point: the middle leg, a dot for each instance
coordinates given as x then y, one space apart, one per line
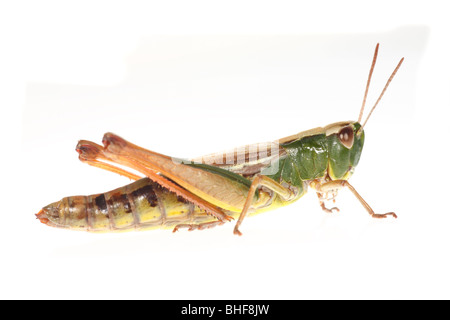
260 180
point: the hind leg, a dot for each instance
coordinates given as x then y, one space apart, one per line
95 155
89 152
200 226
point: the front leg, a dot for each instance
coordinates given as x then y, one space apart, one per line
333 186
322 200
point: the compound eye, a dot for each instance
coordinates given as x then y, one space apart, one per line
346 136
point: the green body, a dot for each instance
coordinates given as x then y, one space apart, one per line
319 157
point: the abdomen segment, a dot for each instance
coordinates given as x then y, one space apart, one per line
143 204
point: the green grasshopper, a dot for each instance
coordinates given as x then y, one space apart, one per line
211 190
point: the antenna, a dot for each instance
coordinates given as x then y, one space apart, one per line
382 93
368 82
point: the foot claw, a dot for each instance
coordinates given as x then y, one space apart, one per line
384 215
333 209
237 232
329 210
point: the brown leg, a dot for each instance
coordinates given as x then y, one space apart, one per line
366 205
200 226
284 192
213 188
338 184
322 204
90 152
323 197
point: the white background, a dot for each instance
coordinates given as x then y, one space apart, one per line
187 78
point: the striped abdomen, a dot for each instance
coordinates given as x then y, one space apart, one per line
143 204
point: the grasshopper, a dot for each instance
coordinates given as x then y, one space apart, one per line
212 190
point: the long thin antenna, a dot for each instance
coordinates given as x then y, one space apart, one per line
382 92
368 82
